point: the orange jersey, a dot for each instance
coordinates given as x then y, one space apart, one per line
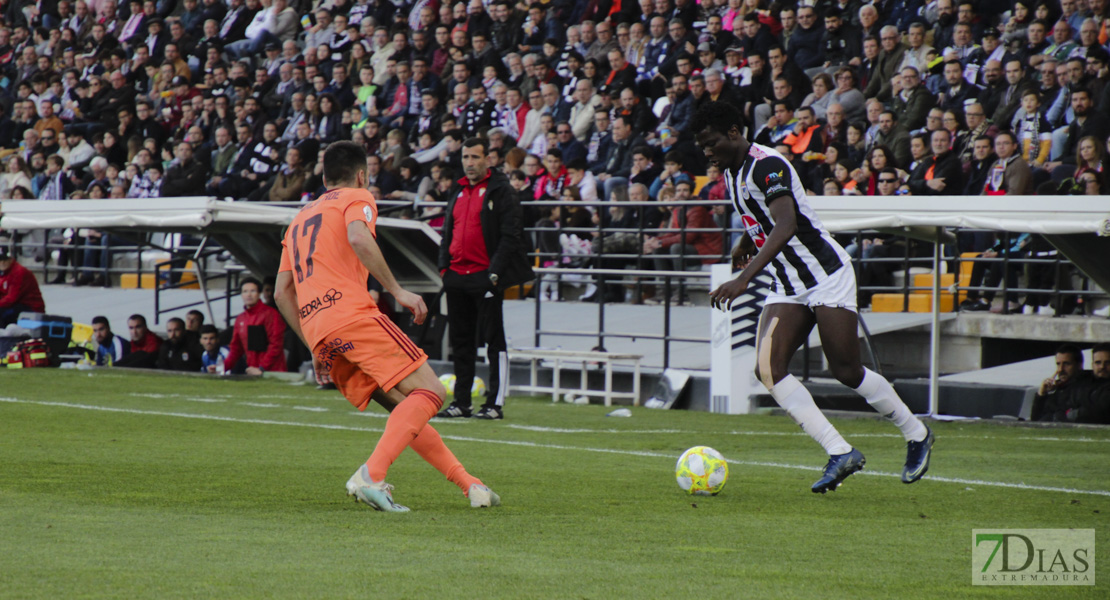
329 278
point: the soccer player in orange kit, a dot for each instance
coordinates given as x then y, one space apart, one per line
328 251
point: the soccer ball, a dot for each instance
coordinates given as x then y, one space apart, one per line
701 470
448 381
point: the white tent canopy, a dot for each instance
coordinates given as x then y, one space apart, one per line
1032 214
167 214
1046 215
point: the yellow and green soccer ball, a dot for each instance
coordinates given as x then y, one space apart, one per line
701 470
448 381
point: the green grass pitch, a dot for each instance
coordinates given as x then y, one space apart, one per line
121 485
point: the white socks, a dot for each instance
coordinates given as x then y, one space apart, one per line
882 397
798 403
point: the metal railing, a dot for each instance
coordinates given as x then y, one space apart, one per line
166 274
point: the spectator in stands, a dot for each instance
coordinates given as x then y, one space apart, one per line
983 159
19 290
890 58
942 170
989 273
911 100
186 175
892 135
1087 122
1010 174
214 356
288 184
1086 399
687 217
258 334
110 348
179 352
144 345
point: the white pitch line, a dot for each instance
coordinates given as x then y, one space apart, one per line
217 400
260 405
541 429
668 456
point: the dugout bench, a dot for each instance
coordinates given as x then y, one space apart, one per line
561 357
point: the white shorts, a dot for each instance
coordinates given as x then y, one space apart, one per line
837 290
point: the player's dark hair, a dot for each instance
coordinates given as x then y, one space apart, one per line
177 320
209 329
101 320
477 141
1102 347
138 317
256 282
342 162
718 116
1073 351
197 313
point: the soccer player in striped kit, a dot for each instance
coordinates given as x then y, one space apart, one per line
814 284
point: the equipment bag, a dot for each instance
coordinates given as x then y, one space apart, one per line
55 330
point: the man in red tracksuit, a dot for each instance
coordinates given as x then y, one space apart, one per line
481 255
19 290
259 333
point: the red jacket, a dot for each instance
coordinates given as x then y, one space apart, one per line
468 246
709 244
150 343
19 286
273 358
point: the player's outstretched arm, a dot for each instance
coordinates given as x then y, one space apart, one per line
285 295
786 224
367 250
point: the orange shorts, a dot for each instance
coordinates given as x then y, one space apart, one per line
366 355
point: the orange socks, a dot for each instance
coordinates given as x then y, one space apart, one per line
431 448
403 426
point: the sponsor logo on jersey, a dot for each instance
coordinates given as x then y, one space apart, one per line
369 213
775 184
754 230
313 307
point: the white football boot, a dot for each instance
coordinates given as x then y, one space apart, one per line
481 496
378 495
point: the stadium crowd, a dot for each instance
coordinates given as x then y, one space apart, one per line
585 101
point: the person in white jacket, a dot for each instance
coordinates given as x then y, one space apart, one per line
275 23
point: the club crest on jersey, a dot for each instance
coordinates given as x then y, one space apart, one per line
368 213
754 230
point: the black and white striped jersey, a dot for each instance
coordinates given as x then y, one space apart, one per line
812 254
